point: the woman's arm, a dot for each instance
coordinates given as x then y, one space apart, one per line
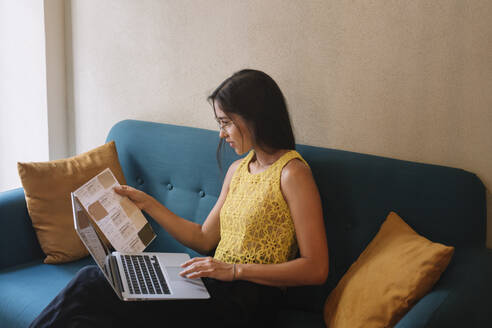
201 238
311 268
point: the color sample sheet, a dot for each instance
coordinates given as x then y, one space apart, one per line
117 217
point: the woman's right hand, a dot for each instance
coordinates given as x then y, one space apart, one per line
142 200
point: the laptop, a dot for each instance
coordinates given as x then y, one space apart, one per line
141 276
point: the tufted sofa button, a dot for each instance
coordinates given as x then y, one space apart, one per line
140 181
201 193
348 226
170 186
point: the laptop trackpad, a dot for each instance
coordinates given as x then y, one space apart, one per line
173 273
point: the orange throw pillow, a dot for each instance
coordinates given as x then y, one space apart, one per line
396 269
47 187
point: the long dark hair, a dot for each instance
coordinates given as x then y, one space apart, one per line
256 97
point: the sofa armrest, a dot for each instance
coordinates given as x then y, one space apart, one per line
461 298
18 242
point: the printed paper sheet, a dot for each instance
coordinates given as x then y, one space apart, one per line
117 217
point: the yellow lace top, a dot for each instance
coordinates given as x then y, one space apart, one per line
255 221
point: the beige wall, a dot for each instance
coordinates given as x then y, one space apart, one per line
403 79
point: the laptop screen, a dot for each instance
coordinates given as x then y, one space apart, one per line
90 237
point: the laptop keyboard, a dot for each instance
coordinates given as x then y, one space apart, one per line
144 275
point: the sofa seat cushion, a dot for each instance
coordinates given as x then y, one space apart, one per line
27 289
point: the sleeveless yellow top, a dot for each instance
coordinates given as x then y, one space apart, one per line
255 221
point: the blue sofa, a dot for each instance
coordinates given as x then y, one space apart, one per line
177 165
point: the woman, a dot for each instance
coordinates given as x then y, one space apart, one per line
268 211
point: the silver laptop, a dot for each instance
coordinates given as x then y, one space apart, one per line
141 276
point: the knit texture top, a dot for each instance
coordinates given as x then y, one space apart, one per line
255 221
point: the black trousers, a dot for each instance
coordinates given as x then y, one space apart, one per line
89 301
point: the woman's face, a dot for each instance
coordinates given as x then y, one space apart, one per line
234 130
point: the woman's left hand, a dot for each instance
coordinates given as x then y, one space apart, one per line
207 267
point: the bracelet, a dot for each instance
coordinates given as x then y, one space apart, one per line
233 271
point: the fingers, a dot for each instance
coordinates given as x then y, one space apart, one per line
191 271
196 259
197 267
122 190
207 267
199 274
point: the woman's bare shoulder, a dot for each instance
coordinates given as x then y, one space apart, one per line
232 168
234 165
296 168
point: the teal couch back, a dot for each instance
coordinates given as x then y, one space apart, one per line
177 165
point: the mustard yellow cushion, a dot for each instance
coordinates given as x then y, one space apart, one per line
47 187
396 269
